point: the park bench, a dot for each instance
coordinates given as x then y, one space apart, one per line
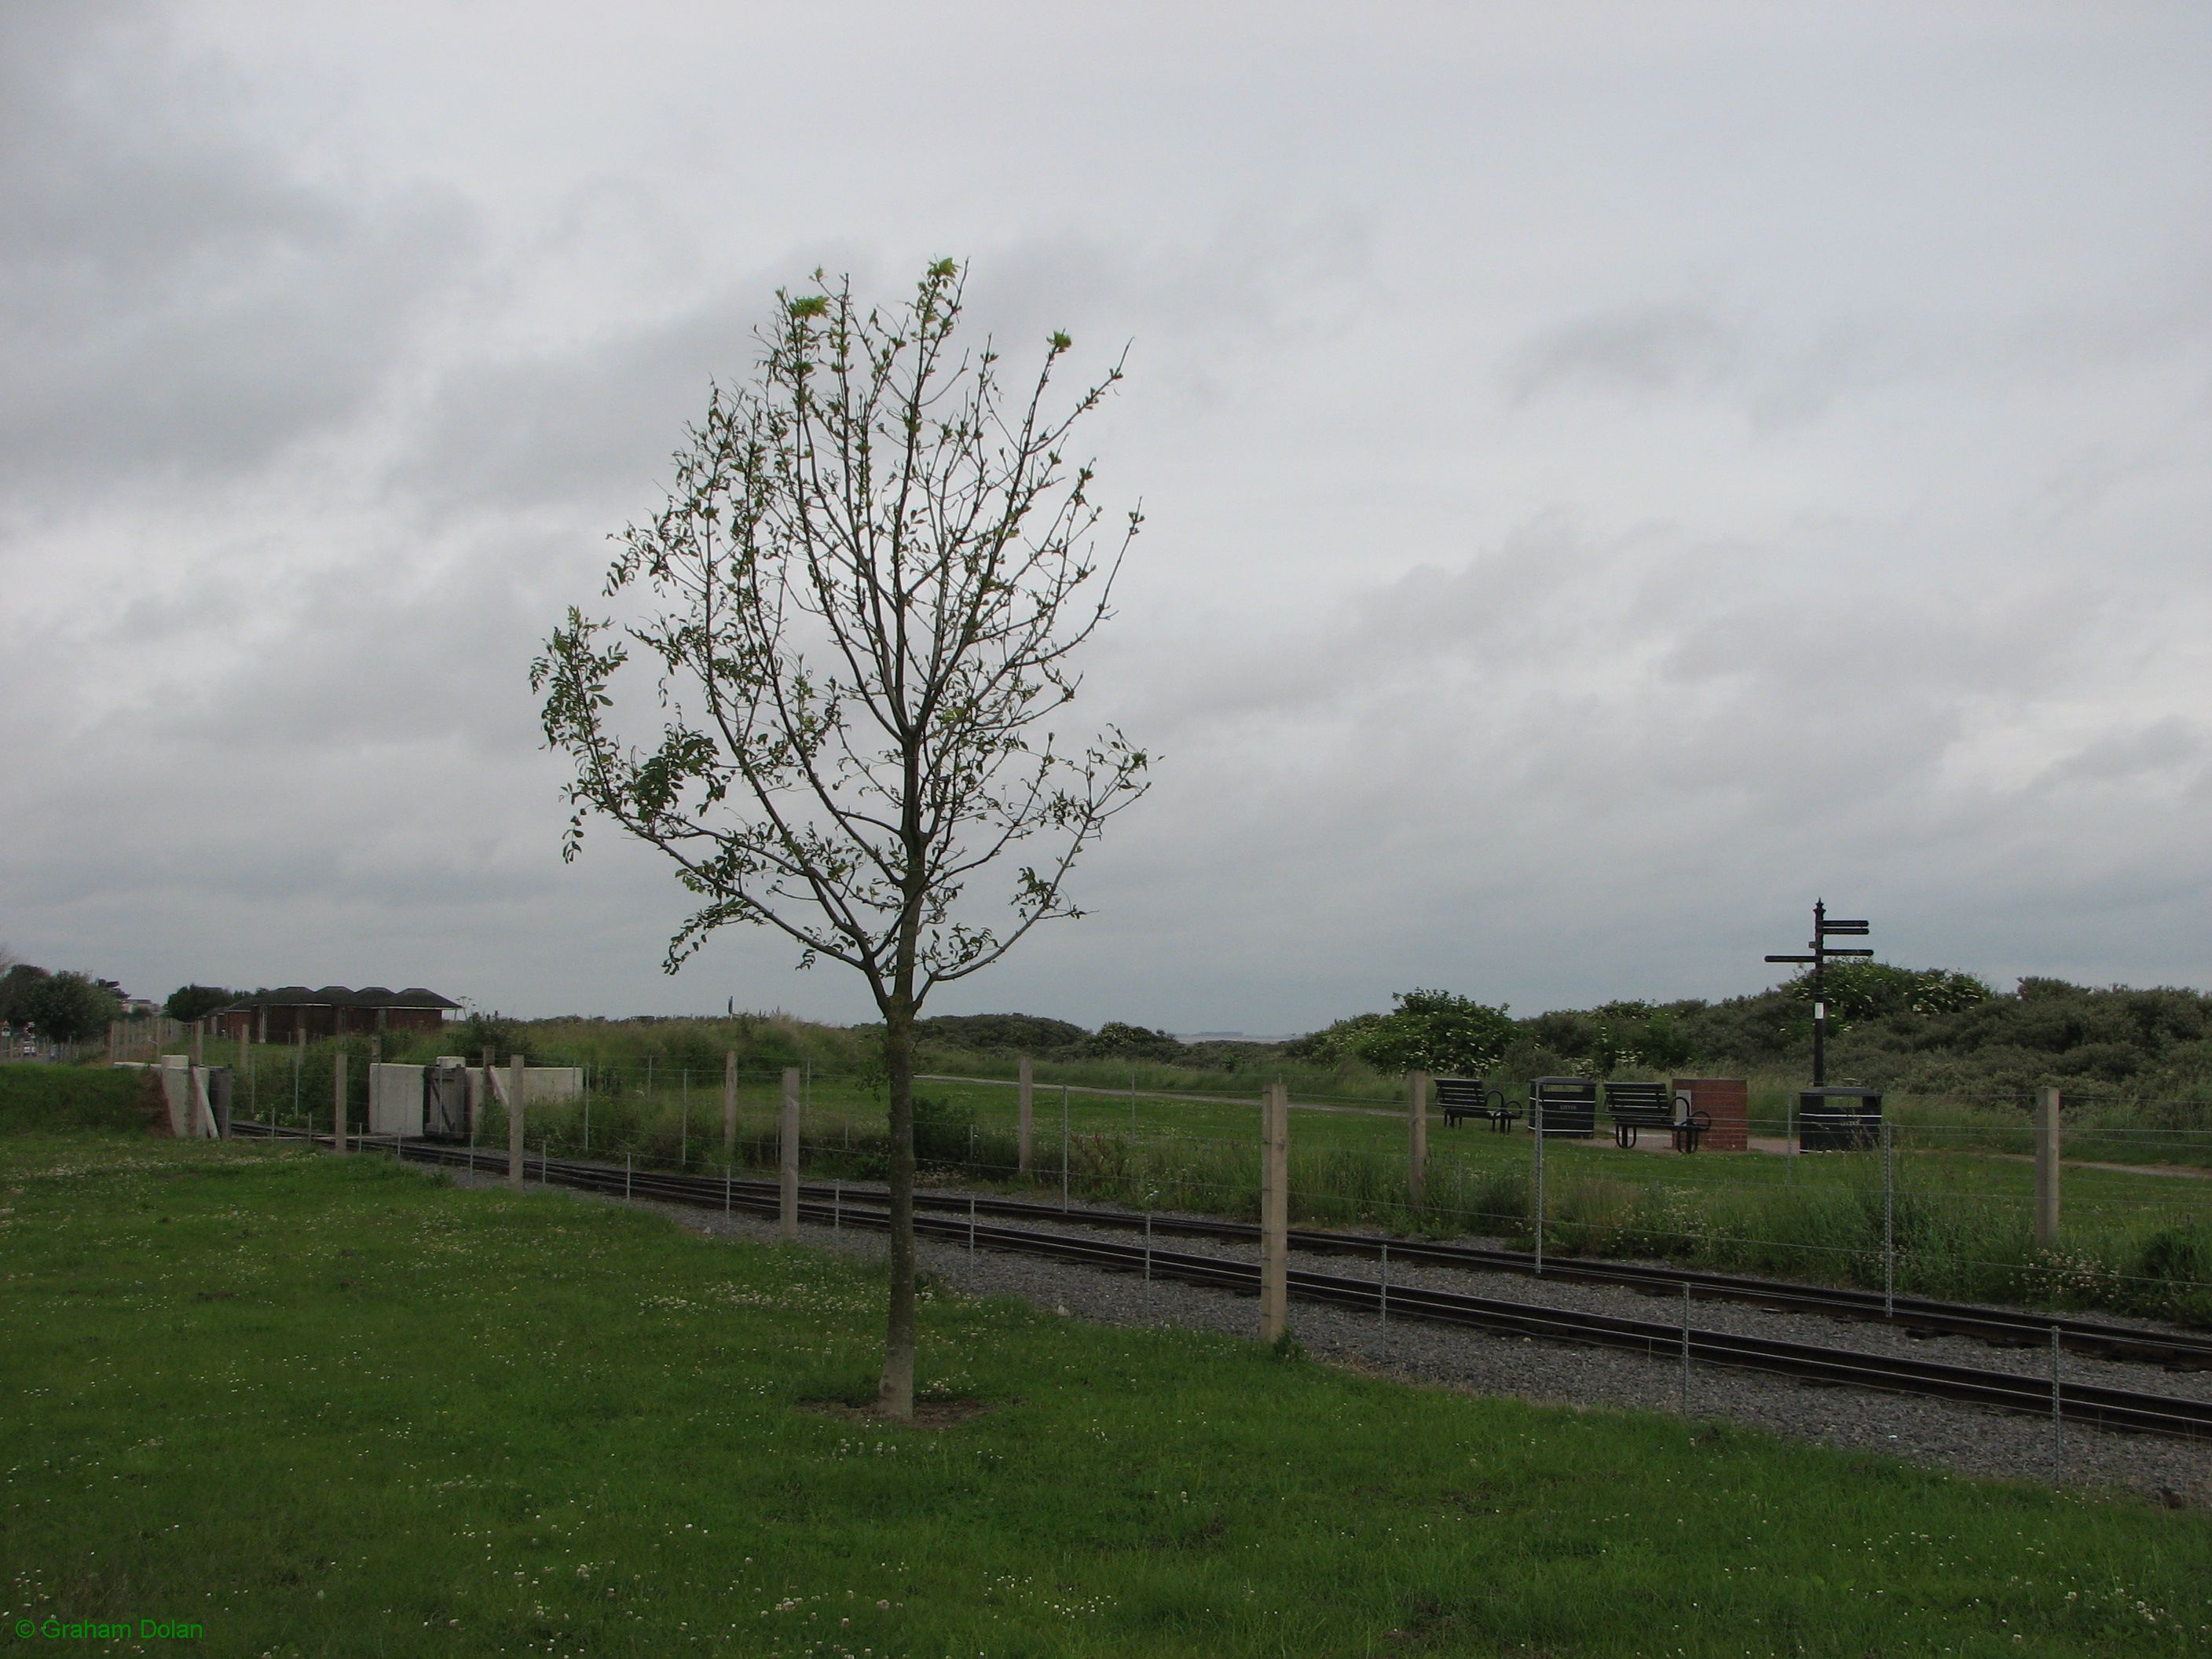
1635 1107
1465 1097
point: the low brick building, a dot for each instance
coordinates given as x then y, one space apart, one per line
280 1015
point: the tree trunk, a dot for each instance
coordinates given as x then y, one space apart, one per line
894 1397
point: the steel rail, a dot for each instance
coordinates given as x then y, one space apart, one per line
2091 1404
1918 1316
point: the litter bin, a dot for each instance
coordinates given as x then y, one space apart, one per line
1567 1106
1838 1120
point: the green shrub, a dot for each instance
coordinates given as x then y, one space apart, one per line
943 1132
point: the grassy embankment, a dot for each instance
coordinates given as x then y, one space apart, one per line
322 1407
49 1098
2135 1243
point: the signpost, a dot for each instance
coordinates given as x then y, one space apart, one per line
1822 954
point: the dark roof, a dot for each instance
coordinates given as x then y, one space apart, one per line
338 996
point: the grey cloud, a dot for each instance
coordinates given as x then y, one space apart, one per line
578 425
1566 715
596 420
1693 351
1777 374
385 648
171 298
1641 349
1646 660
1254 284
1495 612
2161 747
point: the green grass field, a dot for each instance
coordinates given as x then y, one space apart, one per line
325 1406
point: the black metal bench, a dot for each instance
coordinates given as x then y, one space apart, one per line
1635 1107
1460 1097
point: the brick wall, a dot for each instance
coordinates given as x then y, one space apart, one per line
1727 1101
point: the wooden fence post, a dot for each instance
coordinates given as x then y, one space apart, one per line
1028 1135
514 1069
338 1101
729 1106
1274 1210
786 1221
2046 1171
1417 1142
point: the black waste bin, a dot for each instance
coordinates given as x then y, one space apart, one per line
1838 1120
1566 1106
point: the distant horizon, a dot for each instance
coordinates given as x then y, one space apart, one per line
1180 1036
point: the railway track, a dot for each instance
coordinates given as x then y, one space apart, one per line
938 1216
1918 1316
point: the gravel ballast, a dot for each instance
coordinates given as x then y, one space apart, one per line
1934 1433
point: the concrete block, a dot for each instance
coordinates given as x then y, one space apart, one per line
395 1100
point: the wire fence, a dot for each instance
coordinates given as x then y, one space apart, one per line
1942 1202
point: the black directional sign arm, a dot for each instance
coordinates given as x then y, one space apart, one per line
1824 929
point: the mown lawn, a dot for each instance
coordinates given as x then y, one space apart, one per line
332 1407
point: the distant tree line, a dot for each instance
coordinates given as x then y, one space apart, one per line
1926 1029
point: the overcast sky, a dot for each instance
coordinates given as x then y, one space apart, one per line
1612 474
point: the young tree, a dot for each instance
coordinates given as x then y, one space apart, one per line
860 607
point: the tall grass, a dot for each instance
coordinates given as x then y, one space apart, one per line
1957 1232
